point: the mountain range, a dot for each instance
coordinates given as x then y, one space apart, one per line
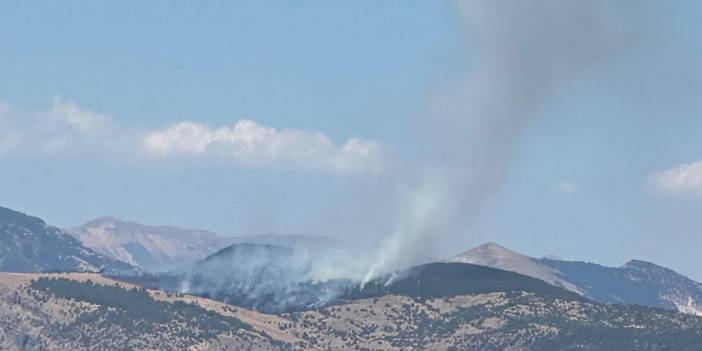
636 282
156 248
256 294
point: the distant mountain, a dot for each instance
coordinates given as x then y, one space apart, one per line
161 248
152 248
28 244
496 256
636 282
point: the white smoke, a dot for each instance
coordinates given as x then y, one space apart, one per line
519 54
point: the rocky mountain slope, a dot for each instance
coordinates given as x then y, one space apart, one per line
83 311
161 248
496 256
28 244
637 282
152 248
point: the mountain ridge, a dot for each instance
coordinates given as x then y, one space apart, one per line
150 247
636 281
496 256
157 248
29 244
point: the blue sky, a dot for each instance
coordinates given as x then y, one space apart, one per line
343 97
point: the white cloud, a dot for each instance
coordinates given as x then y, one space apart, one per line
253 144
78 118
685 179
568 187
68 128
65 126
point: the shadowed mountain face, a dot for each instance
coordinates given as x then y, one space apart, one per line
442 280
637 282
28 244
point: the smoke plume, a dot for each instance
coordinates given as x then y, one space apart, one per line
518 54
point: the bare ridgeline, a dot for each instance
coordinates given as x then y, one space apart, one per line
258 294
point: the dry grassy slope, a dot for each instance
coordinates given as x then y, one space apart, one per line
493 321
32 321
363 323
391 323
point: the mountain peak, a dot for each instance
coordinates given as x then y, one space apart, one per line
101 221
644 266
491 248
497 256
638 269
105 219
640 264
487 251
